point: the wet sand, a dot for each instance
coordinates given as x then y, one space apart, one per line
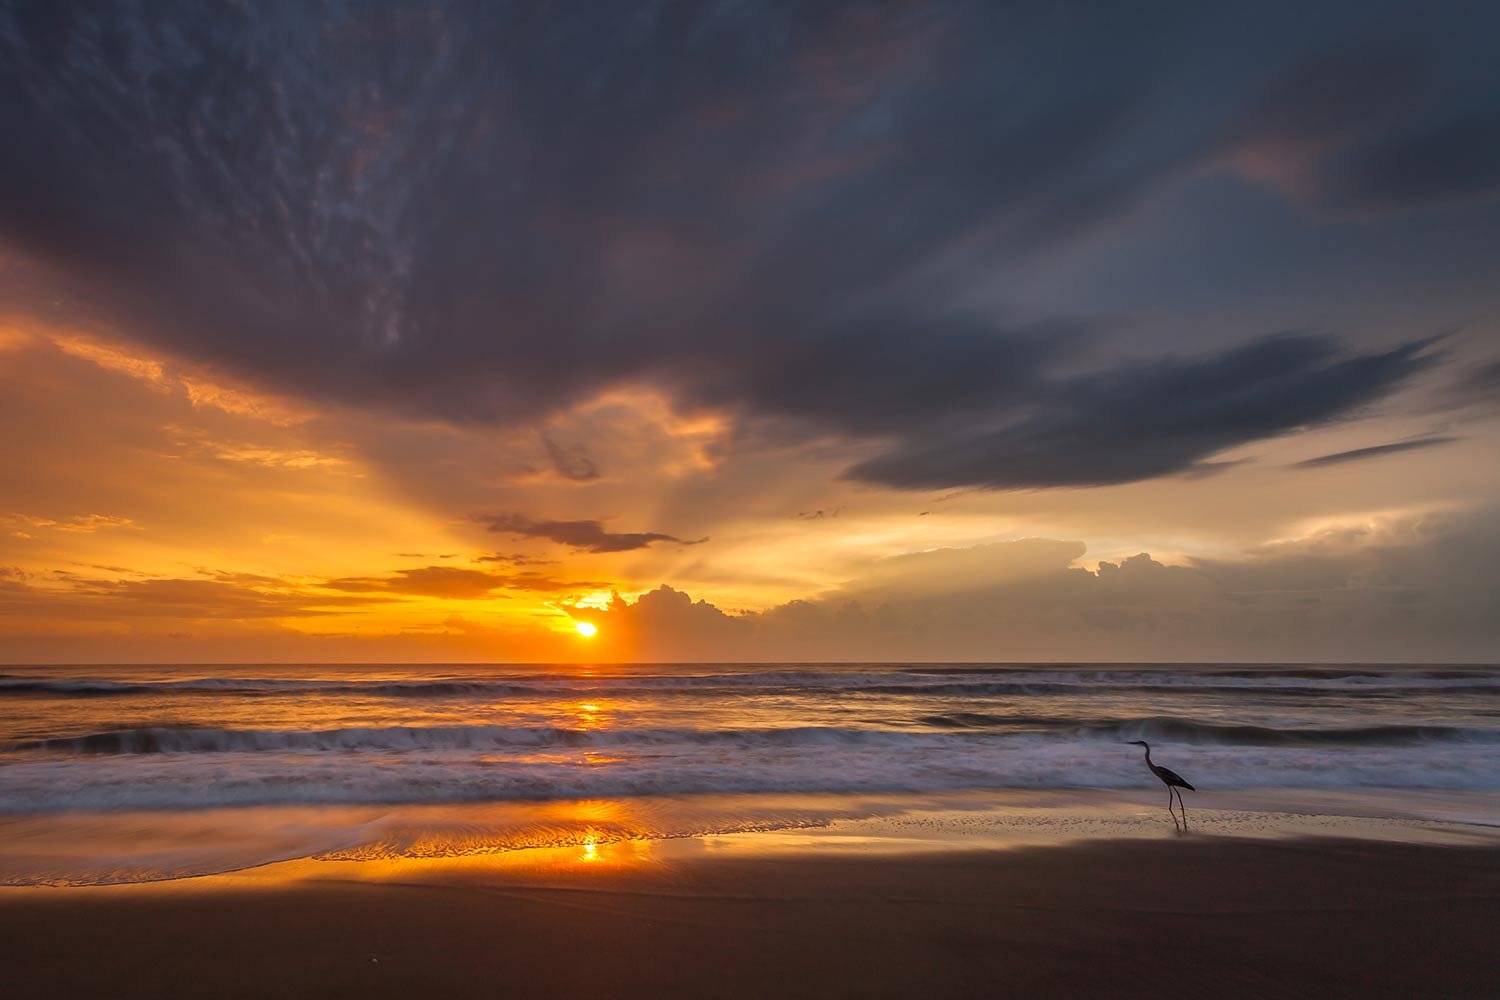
1199 915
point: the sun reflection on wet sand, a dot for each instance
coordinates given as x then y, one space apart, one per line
597 857
602 859
650 838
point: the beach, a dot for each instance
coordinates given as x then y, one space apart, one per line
757 830
1177 916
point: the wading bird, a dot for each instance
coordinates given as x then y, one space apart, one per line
1170 778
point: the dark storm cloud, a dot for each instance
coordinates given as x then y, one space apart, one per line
591 536
1375 128
1453 161
485 212
1375 451
1151 420
1327 98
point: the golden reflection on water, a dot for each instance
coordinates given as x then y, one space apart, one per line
583 715
588 715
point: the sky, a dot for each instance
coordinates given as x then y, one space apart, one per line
968 331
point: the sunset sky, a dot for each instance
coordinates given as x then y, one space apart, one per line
774 331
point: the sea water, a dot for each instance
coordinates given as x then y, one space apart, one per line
93 742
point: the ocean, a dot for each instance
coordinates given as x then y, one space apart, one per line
84 746
184 737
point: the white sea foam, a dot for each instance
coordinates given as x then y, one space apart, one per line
809 763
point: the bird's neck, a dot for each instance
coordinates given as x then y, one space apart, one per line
1148 755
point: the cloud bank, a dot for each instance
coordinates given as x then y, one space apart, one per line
1402 588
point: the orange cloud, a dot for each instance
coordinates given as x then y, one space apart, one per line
78 523
161 376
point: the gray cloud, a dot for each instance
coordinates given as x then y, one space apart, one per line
1456 160
591 536
1374 451
572 462
1326 100
1151 420
1372 129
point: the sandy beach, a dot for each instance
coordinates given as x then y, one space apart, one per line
1198 914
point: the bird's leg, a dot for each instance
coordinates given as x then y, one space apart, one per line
1169 806
1183 806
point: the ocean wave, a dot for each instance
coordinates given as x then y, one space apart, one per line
1168 729
271 686
186 740
956 729
935 683
178 781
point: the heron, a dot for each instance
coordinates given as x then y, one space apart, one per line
1170 778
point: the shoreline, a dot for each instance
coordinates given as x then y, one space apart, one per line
77 850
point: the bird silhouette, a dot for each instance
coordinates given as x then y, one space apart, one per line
1174 782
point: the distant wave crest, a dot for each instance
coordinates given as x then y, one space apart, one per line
937 681
936 730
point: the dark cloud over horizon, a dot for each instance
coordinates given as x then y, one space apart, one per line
484 213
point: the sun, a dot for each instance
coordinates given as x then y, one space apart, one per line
586 629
